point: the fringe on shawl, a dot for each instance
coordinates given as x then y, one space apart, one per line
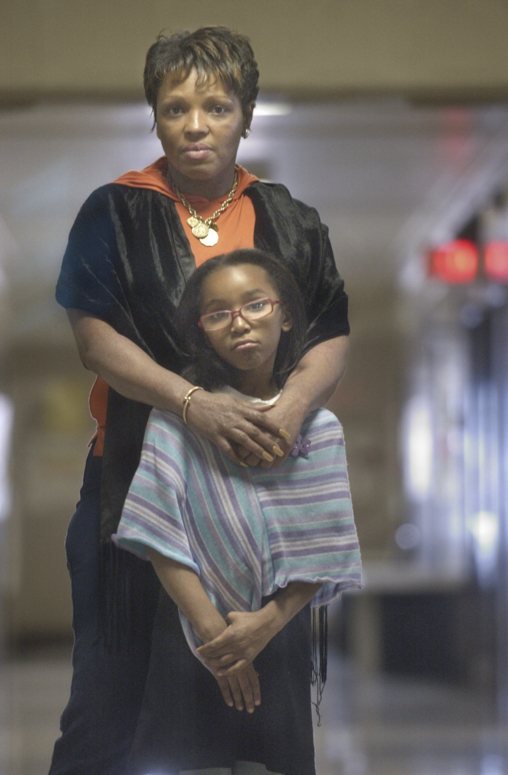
128 593
319 654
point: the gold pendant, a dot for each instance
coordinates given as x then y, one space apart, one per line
200 230
212 237
192 221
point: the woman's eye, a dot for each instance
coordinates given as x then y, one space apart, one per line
219 110
173 110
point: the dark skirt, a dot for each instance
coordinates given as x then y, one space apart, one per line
186 725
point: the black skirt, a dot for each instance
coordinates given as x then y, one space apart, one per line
186 725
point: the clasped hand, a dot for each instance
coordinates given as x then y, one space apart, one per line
237 646
245 433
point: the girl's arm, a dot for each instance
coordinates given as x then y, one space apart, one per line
248 633
224 420
184 587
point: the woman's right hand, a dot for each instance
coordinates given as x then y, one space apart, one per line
241 690
231 423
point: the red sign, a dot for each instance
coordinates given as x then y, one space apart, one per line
454 262
496 261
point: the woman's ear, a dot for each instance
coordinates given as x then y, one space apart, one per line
248 118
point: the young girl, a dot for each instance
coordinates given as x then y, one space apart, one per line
241 551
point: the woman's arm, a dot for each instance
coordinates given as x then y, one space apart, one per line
224 420
248 633
184 587
309 387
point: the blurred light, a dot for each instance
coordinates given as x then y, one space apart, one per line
496 261
454 262
485 531
6 417
407 537
272 109
419 448
492 764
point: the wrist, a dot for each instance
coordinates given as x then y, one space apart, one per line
187 400
272 618
210 627
296 400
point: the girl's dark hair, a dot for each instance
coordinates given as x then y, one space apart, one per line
211 51
206 368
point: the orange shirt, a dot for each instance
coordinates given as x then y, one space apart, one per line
236 230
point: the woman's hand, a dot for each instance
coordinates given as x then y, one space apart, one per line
232 424
286 415
237 646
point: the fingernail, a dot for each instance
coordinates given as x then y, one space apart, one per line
244 465
284 434
278 450
268 457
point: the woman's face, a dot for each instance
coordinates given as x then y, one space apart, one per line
200 129
250 346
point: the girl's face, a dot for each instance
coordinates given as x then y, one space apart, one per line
250 346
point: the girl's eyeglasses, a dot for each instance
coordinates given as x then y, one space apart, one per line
254 310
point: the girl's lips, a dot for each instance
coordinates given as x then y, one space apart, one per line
245 345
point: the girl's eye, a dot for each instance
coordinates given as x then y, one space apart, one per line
218 317
257 306
219 110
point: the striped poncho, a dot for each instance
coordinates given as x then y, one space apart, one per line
245 532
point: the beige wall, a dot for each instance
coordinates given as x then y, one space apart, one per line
424 48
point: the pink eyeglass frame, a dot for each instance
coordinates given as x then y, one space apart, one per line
235 312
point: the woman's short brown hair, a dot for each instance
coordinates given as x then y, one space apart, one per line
211 51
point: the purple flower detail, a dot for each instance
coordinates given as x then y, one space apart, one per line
300 447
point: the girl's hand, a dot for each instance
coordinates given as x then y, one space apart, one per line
241 690
234 649
232 424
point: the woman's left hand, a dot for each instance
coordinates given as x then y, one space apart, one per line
286 415
245 637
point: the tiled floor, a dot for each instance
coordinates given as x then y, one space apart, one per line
385 726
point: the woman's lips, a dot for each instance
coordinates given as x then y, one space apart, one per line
196 151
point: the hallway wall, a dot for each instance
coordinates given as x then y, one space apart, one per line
424 49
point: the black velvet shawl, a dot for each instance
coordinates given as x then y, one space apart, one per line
127 262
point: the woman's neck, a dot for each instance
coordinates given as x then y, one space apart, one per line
212 188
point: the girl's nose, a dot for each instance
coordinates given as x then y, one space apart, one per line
238 323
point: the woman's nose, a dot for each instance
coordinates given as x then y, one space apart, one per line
196 122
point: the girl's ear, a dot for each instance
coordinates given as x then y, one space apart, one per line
287 320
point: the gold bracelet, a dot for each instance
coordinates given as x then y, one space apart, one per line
186 401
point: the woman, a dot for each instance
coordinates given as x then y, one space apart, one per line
133 246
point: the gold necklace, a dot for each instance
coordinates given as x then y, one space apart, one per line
205 230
